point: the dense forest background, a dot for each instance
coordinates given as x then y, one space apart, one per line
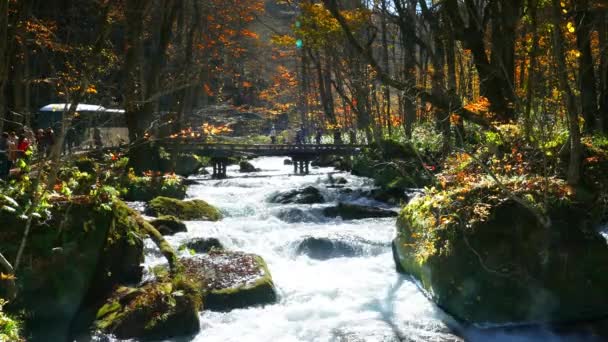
379 67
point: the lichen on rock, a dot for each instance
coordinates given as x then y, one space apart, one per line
231 280
183 210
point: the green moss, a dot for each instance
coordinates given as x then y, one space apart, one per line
10 328
160 310
146 188
183 210
486 259
73 259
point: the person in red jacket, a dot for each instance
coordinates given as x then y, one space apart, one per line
24 144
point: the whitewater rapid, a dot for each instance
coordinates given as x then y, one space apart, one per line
346 299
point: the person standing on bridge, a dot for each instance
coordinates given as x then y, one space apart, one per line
97 138
318 136
273 135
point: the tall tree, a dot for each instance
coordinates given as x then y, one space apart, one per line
574 166
586 70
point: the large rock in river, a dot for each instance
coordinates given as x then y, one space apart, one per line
183 210
71 261
203 245
508 268
232 280
349 211
308 195
247 167
156 311
323 248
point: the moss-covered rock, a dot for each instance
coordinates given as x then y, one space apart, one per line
183 210
232 280
158 310
71 261
495 262
203 245
308 195
349 211
169 225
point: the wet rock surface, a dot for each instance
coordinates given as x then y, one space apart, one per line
349 211
307 195
293 215
203 245
247 167
323 248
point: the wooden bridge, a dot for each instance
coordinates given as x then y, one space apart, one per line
301 154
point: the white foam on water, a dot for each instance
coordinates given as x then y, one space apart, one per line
359 298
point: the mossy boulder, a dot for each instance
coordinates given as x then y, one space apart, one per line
71 261
349 211
156 311
169 225
501 265
203 245
307 195
232 280
247 167
183 210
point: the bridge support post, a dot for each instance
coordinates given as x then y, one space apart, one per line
301 165
219 168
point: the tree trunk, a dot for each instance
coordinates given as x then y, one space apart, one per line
603 42
4 59
452 86
532 5
385 55
568 97
586 81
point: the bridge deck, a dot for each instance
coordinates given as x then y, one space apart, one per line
219 150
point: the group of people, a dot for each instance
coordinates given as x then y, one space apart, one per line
14 146
301 136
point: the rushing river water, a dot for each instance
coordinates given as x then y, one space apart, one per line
358 298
